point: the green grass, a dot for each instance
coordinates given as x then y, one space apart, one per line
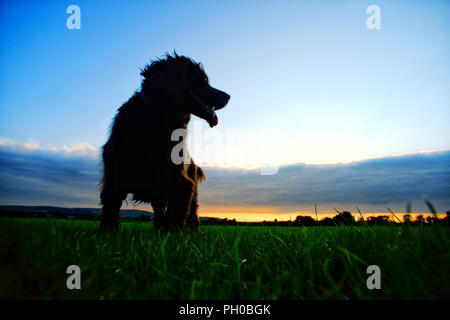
221 262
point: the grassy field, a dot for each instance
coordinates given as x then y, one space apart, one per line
221 262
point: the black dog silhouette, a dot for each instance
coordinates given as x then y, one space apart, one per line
137 156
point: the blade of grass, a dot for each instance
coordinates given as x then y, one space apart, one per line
362 217
408 207
430 206
393 214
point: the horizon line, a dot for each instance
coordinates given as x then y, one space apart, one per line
247 216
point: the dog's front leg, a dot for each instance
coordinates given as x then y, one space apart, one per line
193 221
180 197
111 201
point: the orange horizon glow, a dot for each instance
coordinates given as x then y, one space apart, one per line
243 214
260 217
270 213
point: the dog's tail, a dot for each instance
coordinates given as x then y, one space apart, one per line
196 173
201 175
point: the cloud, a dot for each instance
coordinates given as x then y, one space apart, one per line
372 184
30 145
30 174
81 148
78 148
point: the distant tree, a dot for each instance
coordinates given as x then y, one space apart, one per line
305 221
431 220
327 222
420 219
379 220
447 218
344 218
407 219
212 221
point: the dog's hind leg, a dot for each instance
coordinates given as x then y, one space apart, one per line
159 213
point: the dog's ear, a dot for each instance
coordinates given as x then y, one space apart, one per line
146 71
151 69
150 74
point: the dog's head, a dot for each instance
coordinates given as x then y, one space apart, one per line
185 86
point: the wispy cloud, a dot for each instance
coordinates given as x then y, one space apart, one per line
69 176
30 174
371 184
30 145
79 148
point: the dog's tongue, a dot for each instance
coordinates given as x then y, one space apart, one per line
206 113
214 120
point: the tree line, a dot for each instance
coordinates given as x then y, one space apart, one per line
342 218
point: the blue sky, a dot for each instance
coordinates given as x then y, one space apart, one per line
311 73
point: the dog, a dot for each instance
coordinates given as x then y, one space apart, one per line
137 156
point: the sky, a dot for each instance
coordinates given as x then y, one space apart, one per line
310 85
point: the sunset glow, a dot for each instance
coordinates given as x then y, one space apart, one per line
268 214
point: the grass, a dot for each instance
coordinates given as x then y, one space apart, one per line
221 262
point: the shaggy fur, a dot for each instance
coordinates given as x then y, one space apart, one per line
137 155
